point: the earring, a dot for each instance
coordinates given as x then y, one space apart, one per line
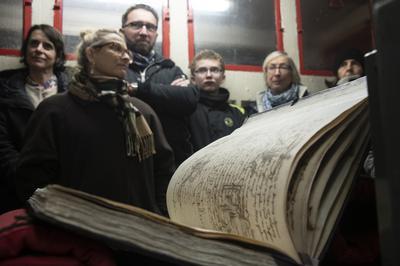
91 72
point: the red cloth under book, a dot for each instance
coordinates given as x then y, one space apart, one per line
24 243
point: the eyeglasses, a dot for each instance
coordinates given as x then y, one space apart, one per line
282 67
204 70
117 48
138 25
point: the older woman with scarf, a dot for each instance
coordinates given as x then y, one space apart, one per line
21 90
282 81
96 138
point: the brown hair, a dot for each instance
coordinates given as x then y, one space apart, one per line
55 38
206 54
138 6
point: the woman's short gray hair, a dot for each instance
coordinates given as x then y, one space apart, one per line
96 38
275 54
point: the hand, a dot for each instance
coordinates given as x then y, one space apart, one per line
183 82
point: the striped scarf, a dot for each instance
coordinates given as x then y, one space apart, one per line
114 92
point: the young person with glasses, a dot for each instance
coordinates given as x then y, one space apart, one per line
282 81
214 116
160 83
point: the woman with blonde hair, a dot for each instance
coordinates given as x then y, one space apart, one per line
96 138
282 80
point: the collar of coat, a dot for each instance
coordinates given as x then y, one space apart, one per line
219 99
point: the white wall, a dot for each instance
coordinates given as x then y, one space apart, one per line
242 85
7 62
42 12
290 43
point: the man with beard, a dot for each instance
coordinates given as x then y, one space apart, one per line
160 83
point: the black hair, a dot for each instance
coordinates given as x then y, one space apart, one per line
351 53
138 6
55 37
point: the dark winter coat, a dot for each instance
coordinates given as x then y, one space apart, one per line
81 144
15 111
173 104
214 118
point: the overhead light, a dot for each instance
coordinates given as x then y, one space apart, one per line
152 3
211 5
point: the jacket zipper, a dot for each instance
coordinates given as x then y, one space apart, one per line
143 73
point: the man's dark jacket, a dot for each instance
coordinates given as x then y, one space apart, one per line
15 111
173 104
214 118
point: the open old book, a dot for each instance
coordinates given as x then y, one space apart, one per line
283 177
131 229
268 194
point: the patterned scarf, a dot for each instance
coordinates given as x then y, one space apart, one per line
142 61
114 92
271 100
37 92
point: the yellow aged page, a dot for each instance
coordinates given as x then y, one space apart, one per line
238 183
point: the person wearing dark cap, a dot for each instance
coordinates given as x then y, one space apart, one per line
356 241
349 66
